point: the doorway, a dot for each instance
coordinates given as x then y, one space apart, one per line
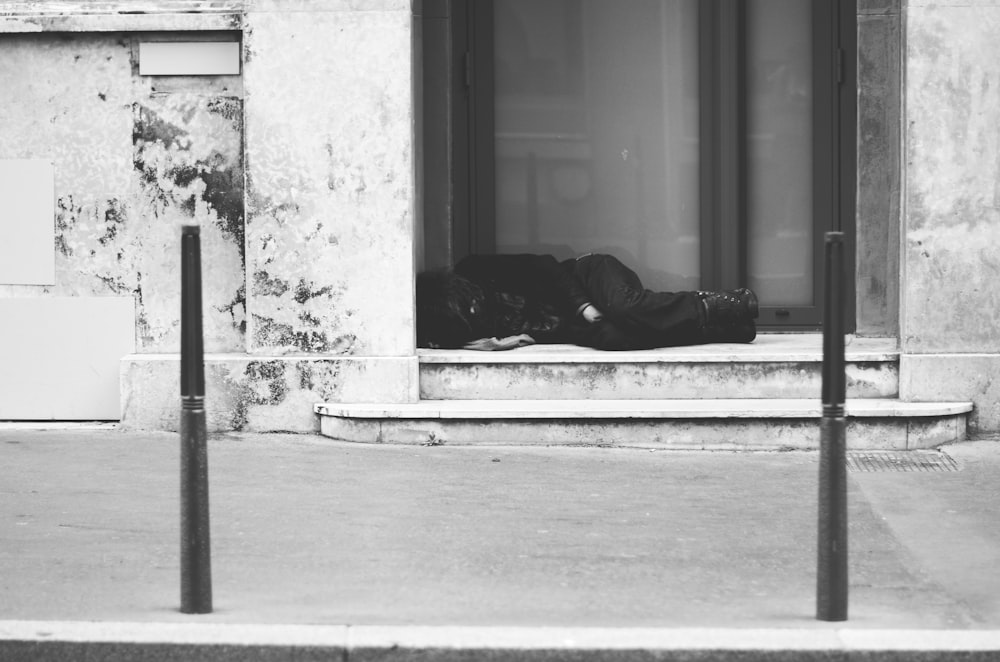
707 143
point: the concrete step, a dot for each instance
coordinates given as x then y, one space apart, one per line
774 366
722 423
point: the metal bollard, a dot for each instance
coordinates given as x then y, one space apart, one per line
196 564
831 576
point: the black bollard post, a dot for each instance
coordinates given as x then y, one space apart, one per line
196 563
831 576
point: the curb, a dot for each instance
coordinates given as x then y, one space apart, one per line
163 642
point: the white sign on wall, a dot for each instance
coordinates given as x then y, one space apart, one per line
61 356
189 58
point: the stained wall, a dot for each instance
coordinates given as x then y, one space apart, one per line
330 191
299 173
130 164
951 219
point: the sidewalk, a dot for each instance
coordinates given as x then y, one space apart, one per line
311 532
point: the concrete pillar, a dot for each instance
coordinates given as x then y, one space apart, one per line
951 221
330 188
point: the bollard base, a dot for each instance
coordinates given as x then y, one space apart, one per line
831 576
196 564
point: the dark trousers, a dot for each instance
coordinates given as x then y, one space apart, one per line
634 317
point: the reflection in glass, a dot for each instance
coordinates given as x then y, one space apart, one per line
597 132
779 151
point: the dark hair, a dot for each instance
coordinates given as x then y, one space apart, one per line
448 310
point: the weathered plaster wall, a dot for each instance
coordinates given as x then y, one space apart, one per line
308 289
950 300
329 228
260 393
879 162
130 163
329 136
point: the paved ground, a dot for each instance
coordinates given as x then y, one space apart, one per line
306 530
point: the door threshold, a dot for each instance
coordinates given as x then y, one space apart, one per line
768 347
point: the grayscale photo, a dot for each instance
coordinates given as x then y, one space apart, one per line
506 330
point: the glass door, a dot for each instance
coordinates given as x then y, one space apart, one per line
697 140
596 134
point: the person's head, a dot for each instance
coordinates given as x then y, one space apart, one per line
449 310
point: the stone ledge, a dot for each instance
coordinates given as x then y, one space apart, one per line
970 376
260 393
768 347
639 409
641 380
733 434
675 424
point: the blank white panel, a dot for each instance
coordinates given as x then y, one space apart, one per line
27 222
60 356
189 58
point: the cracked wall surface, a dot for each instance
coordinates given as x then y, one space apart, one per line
298 171
130 163
247 393
330 192
953 178
951 226
188 167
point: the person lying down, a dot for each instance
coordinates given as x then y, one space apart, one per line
498 302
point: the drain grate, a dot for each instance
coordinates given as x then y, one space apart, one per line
872 461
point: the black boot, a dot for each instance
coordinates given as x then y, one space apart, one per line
731 307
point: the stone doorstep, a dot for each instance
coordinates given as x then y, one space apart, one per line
774 366
603 398
639 381
745 424
767 348
746 408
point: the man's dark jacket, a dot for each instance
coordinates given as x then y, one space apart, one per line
532 294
